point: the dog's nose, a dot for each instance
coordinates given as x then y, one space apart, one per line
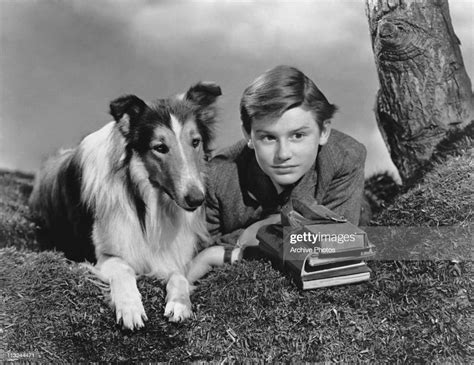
194 198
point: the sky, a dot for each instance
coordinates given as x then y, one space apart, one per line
63 61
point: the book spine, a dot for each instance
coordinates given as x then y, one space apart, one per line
314 284
337 273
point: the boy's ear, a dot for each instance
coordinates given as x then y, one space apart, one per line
203 93
246 136
126 110
325 132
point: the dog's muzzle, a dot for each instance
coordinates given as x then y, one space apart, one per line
194 198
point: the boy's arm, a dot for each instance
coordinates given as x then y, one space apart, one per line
248 237
216 255
213 217
344 195
245 236
242 236
208 258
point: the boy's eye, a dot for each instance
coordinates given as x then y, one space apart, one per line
161 148
267 138
298 135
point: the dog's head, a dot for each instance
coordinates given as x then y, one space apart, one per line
171 137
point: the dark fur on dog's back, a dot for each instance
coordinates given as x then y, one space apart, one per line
65 220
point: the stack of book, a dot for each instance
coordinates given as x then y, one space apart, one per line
317 247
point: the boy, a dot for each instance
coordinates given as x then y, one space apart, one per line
289 151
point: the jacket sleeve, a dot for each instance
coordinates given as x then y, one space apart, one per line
214 216
344 195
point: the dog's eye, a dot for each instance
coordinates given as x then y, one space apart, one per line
161 148
196 142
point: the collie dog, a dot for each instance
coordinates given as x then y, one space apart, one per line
129 197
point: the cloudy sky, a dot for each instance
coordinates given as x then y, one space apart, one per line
62 61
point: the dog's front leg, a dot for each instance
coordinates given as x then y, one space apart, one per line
124 293
178 304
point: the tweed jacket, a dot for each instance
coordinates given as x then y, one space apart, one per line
239 193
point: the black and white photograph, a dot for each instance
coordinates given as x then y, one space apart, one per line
286 181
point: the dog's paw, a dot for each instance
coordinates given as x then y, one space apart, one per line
131 314
178 310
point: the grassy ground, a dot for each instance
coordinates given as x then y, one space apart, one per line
409 311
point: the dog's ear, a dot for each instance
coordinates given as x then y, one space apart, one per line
126 110
203 93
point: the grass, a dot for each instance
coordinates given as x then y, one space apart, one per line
16 226
247 311
418 311
444 198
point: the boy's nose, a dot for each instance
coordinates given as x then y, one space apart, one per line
283 151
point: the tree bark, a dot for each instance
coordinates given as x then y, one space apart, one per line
424 88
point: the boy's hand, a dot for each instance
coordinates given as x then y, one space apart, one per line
249 235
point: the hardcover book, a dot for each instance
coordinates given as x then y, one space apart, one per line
316 246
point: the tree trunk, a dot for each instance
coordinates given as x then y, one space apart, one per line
424 88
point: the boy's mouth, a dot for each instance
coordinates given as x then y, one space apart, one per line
284 168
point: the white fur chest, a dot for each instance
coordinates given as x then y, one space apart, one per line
166 245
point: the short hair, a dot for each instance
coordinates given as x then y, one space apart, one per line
280 89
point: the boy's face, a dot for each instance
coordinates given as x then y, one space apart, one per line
286 147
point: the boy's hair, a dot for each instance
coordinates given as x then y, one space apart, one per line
280 89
